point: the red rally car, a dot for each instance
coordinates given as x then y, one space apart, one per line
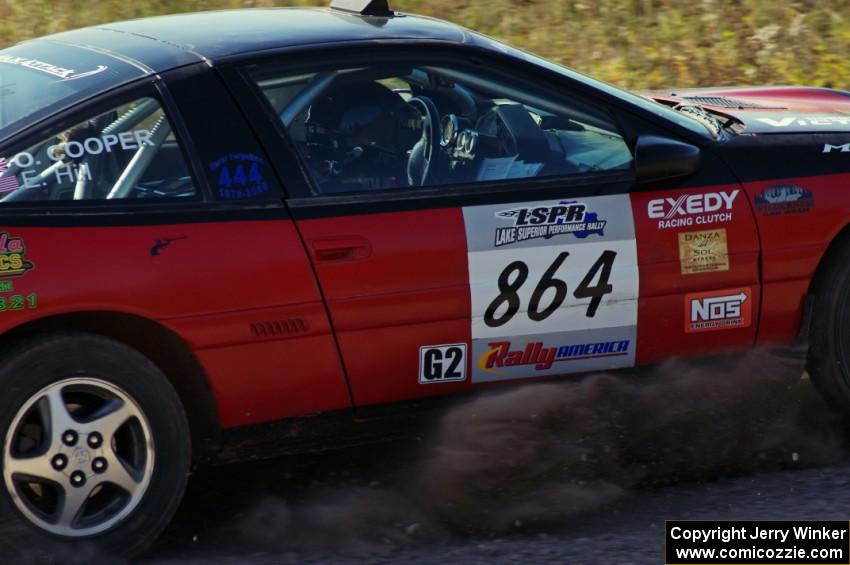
276 225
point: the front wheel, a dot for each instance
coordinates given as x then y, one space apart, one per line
95 446
829 334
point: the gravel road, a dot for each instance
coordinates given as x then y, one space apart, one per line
629 532
626 457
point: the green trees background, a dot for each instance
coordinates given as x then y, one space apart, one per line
633 43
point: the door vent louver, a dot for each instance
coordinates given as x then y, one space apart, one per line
278 328
724 102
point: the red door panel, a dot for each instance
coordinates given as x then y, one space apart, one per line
269 381
796 229
660 218
412 289
241 293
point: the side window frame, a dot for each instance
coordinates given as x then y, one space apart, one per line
290 164
148 87
272 136
241 136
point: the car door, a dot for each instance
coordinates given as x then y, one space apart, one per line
699 256
507 248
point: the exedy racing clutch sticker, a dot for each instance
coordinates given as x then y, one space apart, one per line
554 287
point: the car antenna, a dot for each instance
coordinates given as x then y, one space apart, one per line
364 7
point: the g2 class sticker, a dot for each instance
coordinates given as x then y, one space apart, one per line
239 176
691 209
718 310
13 262
531 287
442 363
784 199
703 251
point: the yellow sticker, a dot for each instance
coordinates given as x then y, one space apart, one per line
703 251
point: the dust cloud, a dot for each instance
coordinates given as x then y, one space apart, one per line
541 456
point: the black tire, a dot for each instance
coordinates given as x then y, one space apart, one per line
829 333
34 365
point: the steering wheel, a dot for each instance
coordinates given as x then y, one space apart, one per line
423 156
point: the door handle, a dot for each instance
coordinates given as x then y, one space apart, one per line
341 249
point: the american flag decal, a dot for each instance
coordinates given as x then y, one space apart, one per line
10 183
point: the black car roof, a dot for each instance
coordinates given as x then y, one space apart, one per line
165 42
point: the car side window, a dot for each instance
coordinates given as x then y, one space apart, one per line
394 125
127 153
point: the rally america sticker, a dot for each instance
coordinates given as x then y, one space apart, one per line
554 287
553 354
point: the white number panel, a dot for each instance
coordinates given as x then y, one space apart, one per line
549 289
554 287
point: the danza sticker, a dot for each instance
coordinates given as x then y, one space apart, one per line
703 251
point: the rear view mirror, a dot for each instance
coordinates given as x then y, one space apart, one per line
661 158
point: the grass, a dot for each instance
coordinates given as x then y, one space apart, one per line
633 43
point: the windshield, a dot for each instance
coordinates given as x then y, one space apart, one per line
683 120
40 78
